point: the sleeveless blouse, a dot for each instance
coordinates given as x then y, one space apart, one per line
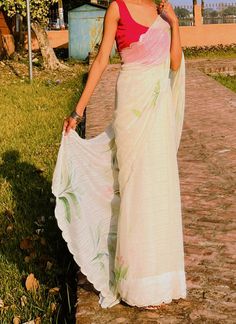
128 30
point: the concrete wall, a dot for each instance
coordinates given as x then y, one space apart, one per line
207 35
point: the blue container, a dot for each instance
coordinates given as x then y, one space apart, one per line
85 30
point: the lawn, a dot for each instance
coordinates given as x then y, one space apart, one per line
210 52
227 80
30 132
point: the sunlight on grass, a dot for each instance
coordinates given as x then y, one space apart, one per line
227 80
30 133
210 52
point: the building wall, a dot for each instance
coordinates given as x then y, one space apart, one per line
207 35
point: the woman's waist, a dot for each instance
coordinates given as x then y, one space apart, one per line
133 73
139 66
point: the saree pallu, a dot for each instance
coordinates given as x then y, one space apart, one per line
117 195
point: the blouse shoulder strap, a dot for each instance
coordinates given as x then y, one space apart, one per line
122 8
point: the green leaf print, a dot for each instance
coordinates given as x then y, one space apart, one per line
75 202
99 256
66 203
119 273
156 93
67 208
137 112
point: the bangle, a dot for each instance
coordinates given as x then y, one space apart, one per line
77 117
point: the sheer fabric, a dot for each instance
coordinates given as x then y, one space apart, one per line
117 194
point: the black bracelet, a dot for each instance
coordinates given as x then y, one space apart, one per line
76 116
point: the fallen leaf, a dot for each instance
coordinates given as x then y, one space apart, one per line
31 282
26 244
53 307
54 290
23 301
10 228
1 303
37 320
27 259
16 320
49 265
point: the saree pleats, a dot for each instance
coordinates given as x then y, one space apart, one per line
118 195
149 238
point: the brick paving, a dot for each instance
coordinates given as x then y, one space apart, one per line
207 167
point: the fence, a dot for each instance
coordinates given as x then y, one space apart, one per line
212 13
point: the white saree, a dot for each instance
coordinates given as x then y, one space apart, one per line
117 194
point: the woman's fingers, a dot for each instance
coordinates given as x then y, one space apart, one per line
163 5
66 121
69 124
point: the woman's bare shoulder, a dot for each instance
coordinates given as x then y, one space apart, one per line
113 10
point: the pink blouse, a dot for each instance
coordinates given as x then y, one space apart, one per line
128 30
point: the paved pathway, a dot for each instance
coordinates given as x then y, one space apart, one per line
207 166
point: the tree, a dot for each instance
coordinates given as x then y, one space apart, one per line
230 11
182 12
39 13
194 3
214 14
202 7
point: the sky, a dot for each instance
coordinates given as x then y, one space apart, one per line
189 2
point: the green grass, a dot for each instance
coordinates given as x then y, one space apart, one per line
210 52
30 133
228 81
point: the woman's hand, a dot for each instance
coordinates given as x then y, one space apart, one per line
166 8
69 123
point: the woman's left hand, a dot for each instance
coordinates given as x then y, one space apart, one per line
166 8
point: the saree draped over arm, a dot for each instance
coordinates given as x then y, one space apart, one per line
117 194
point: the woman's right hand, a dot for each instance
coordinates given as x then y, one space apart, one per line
69 123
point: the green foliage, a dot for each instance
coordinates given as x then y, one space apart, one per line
210 51
39 8
182 12
228 81
231 10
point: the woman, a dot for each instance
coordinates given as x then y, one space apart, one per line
117 194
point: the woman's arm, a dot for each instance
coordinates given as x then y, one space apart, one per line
175 48
99 64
